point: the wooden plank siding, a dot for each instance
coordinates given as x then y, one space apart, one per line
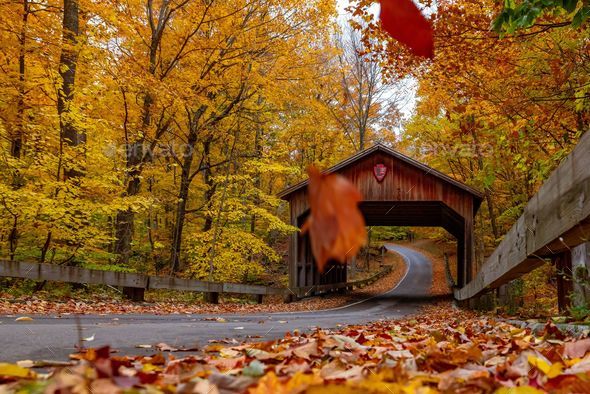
411 194
556 219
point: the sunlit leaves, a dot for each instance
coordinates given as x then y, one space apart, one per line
524 14
239 255
271 59
15 371
499 113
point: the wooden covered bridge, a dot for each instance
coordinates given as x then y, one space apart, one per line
397 191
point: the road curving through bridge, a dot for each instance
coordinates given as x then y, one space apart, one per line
50 337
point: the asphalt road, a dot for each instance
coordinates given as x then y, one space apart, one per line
54 338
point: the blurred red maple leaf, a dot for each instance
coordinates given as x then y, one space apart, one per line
404 22
335 224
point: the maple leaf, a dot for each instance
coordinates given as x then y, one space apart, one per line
404 22
336 225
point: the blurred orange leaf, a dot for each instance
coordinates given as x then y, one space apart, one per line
336 225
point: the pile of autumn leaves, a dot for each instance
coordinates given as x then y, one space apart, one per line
441 350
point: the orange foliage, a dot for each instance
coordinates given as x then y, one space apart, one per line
336 225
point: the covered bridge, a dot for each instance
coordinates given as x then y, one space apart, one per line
397 191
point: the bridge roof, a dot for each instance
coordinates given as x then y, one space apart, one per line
477 196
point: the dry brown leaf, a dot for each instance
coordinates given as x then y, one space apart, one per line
307 351
576 349
104 386
335 224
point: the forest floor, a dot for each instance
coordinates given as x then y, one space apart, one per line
95 303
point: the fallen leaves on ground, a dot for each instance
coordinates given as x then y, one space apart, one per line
442 349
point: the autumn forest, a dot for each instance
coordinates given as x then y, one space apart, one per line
146 146
153 136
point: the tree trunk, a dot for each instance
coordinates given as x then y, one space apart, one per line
487 190
68 60
257 179
208 178
46 246
185 182
16 139
362 133
125 218
123 234
16 143
13 238
124 227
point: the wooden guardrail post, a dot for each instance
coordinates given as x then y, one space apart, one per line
135 294
288 297
211 297
502 294
563 265
580 274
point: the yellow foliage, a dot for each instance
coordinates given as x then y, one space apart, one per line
15 371
194 114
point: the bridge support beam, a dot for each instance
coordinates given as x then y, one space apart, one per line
563 265
581 277
461 261
469 250
465 254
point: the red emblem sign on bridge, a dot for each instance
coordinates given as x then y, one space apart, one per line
379 170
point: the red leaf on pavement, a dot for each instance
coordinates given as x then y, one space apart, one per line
404 22
336 225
